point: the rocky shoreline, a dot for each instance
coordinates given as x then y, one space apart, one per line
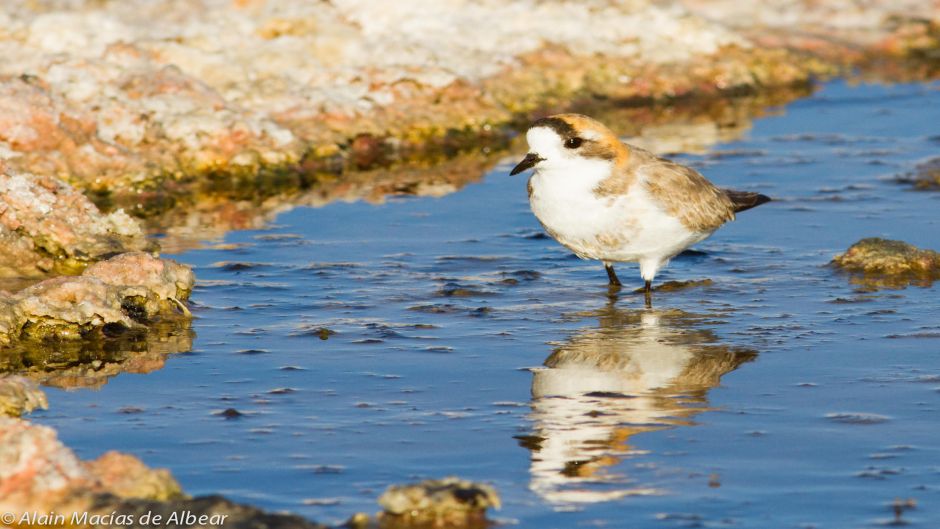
119 119
44 484
140 106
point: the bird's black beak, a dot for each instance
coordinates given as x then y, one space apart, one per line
527 163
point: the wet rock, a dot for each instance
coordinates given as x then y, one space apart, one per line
19 395
448 502
127 477
673 286
879 262
318 331
38 472
121 292
230 414
925 176
48 226
154 280
208 511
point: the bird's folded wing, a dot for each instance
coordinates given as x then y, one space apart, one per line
684 193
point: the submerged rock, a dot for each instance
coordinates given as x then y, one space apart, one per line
925 176
448 502
882 262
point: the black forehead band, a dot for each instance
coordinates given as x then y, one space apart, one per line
560 126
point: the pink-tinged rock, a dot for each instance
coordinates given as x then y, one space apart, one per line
125 476
66 307
46 223
36 470
127 290
166 278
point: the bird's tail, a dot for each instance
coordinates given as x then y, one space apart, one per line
745 200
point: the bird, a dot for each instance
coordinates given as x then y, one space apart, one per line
613 202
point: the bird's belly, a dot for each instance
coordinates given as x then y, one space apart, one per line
629 227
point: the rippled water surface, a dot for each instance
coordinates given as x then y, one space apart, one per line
366 345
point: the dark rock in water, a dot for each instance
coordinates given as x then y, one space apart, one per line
671 286
448 502
231 413
886 263
207 511
320 332
925 176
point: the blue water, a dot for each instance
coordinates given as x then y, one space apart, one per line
781 395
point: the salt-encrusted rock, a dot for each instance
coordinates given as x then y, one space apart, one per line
47 225
132 99
883 262
124 291
39 473
448 502
165 279
19 395
68 307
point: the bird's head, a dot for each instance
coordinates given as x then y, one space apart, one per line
565 140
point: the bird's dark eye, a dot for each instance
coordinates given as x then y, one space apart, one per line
573 143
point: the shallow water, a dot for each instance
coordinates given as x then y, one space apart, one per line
461 341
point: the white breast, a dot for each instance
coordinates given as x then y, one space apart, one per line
629 227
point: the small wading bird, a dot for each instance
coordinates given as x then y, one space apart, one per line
604 199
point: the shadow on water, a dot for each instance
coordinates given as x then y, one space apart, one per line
637 371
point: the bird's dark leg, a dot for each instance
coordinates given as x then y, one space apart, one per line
612 276
648 294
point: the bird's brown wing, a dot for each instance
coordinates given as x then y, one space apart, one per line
684 193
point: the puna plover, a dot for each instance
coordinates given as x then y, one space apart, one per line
604 199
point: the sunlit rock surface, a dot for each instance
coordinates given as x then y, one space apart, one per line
123 97
39 473
47 225
876 262
139 103
448 502
124 292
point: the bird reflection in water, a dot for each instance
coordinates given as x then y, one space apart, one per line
638 371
